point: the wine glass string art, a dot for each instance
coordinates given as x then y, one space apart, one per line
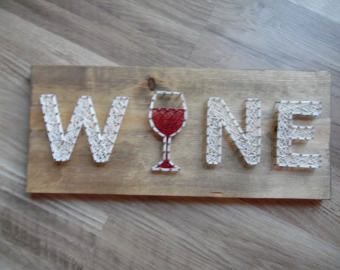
167 122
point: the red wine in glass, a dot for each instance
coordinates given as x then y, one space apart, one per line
167 122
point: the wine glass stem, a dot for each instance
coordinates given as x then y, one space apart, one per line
166 143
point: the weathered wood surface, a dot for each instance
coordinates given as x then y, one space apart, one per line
138 148
110 232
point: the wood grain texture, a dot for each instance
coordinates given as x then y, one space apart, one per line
137 148
110 232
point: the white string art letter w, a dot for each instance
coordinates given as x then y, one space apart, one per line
101 143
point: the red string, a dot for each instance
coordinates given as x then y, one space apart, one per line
168 120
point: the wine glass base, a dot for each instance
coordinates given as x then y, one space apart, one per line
165 166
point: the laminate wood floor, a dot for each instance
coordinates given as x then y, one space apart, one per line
110 232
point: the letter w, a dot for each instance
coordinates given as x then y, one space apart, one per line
101 144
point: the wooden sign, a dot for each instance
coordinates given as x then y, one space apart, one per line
218 154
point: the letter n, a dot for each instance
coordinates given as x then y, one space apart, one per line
247 141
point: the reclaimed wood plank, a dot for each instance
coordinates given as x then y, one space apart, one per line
137 148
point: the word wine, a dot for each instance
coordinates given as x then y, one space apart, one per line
167 122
